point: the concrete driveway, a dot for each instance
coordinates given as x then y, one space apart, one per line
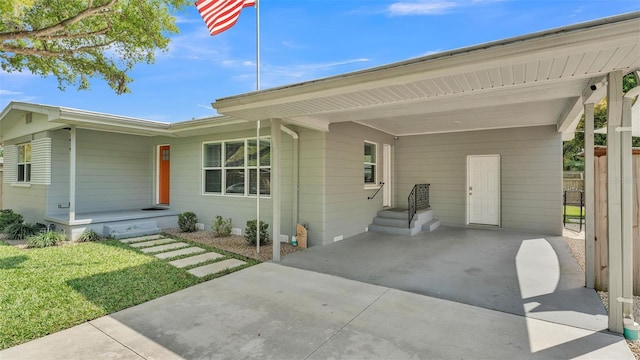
272 311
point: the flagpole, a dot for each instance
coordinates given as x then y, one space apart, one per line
258 227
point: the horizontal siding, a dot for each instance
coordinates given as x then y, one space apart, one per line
114 171
26 201
58 191
531 173
348 211
9 168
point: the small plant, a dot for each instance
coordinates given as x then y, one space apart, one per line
8 217
250 233
221 227
187 221
89 235
21 231
45 239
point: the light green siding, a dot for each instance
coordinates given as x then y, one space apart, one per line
58 191
113 172
186 190
348 211
531 173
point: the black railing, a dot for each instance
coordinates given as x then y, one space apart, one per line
418 199
377 191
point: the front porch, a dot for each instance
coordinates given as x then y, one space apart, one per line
117 222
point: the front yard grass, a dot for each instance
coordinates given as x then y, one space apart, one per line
43 291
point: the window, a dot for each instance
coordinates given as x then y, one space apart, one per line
231 167
24 163
370 152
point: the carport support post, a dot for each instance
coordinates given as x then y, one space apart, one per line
626 164
589 189
276 142
72 174
614 199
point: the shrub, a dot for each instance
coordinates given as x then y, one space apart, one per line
8 217
21 231
49 238
89 235
187 221
221 227
250 232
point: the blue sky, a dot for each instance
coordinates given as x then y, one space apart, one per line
303 40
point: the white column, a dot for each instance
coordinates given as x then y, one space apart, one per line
614 199
276 137
589 192
626 166
72 174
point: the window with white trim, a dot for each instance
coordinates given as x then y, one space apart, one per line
24 163
370 162
231 167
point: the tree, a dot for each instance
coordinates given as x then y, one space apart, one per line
75 40
572 149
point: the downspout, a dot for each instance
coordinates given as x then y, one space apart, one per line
296 173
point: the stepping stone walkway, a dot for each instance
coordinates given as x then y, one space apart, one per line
168 248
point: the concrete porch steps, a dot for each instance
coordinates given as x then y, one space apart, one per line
129 229
395 222
165 248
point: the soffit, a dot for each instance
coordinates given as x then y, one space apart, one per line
482 87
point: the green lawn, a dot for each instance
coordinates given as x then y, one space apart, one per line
573 211
47 290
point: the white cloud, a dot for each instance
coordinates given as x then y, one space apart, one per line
9 92
431 7
423 7
272 76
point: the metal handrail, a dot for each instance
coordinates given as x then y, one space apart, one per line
418 199
377 191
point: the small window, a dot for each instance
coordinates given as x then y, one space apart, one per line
370 161
24 163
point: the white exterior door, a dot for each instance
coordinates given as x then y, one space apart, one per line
483 189
386 174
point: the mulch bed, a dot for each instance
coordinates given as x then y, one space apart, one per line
234 244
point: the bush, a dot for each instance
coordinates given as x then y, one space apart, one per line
89 235
49 238
21 231
187 221
221 227
250 232
8 217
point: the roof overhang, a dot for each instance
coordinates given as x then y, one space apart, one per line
538 79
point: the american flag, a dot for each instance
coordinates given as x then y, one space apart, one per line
220 15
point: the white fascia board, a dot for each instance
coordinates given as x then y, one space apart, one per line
564 41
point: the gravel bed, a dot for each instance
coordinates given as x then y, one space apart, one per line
234 244
575 241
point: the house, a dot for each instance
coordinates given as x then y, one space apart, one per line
483 125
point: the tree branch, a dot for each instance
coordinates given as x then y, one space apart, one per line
48 53
47 31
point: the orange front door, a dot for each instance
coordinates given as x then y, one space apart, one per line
164 174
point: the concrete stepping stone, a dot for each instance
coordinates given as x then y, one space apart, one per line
152 242
140 238
216 267
185 251
159 248
195 259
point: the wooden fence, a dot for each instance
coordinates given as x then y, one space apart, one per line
601 232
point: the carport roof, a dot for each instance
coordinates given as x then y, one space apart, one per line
538 79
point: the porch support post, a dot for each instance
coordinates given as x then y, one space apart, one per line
589 190
626 166
276 197
614 199
72 174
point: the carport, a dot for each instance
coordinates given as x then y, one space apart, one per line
546 78
524 274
